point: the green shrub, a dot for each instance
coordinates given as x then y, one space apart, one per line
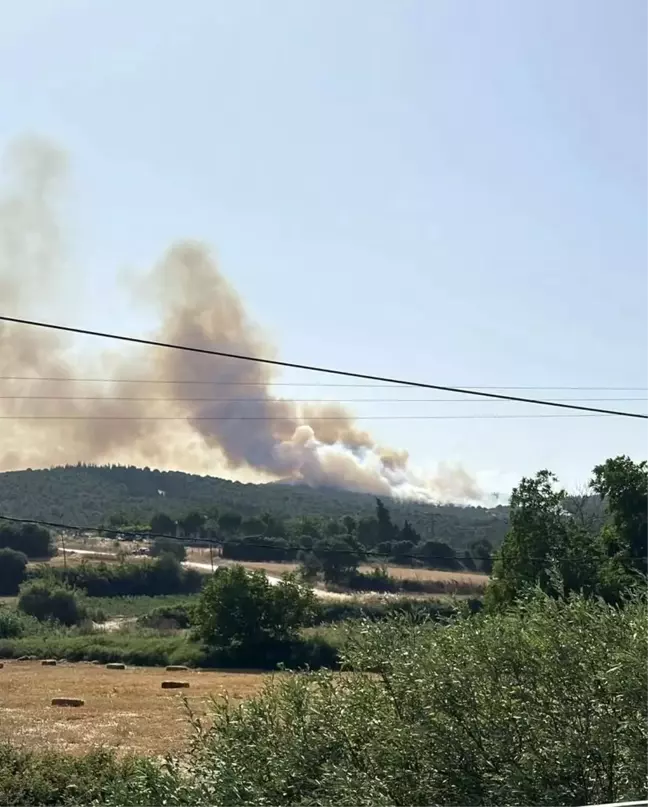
49 602
543 705
13 624
240 612
12 571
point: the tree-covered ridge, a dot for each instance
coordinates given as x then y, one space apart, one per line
90 495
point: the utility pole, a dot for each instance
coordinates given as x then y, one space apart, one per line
62 536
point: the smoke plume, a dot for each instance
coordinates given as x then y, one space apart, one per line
238 425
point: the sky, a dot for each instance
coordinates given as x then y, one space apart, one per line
446 192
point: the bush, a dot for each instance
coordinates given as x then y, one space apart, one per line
164 575
169 546
543 705
166 617
242 613
100 777
12 571
34 541
13 624
46 602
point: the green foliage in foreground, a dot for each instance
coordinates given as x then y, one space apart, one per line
544 704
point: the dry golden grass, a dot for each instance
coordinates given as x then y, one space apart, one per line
124 709
400 572
404 573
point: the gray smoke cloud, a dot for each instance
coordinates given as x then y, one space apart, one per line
243 428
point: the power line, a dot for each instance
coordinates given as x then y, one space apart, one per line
213 542
264 384
286 400
316 369
310 419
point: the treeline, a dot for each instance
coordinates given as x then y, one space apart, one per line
89 495
164 575
31 540
563 549
333 547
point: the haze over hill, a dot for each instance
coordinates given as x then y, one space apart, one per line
88 495
148 409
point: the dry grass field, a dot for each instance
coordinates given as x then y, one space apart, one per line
400 572
124 709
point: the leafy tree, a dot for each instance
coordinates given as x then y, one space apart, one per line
34 541
387 531
192 523
339 558
367 532
468 561
230 522
241 612
163 524
623 486
408 533
402 551
46 602
310 566
168 546
253 526
350 525
12 571
544 546
481 552
438 555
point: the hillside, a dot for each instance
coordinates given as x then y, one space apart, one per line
88 495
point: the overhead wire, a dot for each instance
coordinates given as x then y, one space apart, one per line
315 368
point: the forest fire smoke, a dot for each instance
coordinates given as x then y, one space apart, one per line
236 424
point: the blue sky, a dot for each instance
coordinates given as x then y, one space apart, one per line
450 192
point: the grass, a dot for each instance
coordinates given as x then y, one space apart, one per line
124 710
128 607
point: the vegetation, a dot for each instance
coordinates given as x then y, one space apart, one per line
542 704
48 602
12 571
243 616
164 575
33 541
169 546
558 550
119 496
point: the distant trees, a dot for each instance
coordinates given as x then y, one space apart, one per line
169 546
163 524
33 541
164 575
12 571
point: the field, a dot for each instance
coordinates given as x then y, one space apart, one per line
124 709
400 572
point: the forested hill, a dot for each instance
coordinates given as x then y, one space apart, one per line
88 495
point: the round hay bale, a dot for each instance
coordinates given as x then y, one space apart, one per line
49 662
95 661
68 702
115 665
1 665
26 658
176 668
175 684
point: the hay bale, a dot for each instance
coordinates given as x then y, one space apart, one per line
95 661
49 662
115 665
176 668
26 658
1 665
68 702
175 684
